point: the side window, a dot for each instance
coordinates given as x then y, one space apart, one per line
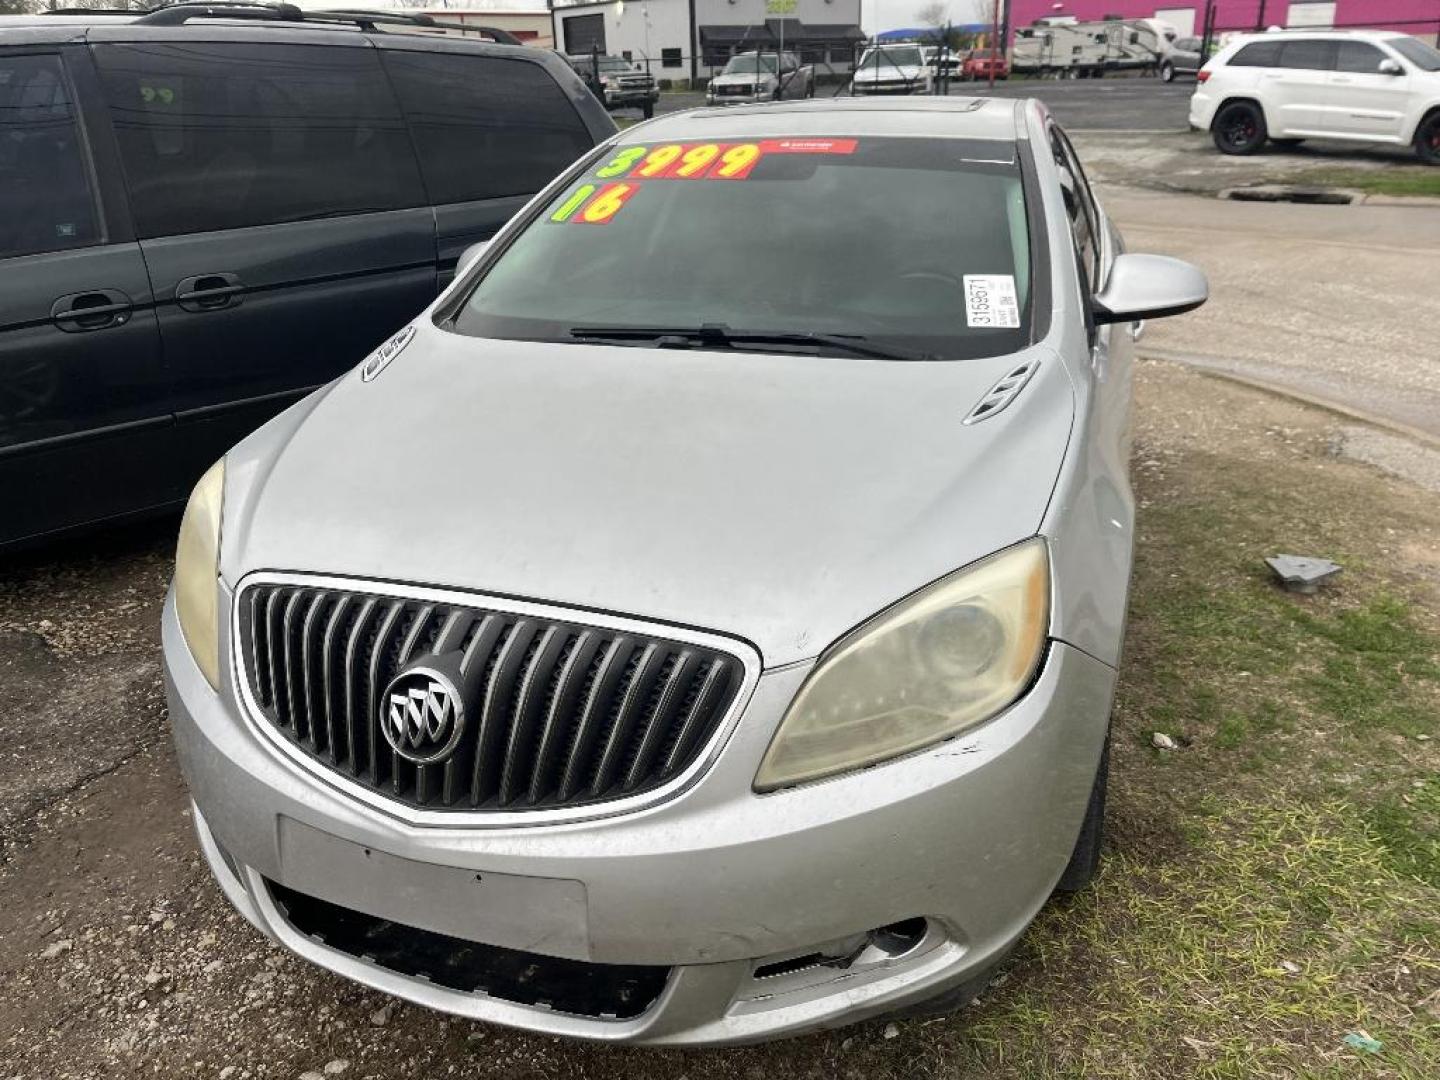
1257 54
219 136
1311 55
1359 57
485 127
45 198
1079 208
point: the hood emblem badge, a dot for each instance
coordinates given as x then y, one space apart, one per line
422 715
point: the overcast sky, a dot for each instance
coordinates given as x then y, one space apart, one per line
878 15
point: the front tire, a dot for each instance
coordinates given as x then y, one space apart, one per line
1239 128
1167 72
1427 139
1085 859
648 110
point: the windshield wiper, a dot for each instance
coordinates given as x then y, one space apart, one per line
717 335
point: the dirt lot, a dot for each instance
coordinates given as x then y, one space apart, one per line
1270 889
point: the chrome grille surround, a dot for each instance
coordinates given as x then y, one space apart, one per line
649 637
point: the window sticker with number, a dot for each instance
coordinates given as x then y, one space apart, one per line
621 176
990 302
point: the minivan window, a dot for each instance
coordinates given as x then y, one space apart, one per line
1312 55
743 235
485 127
1358 57
1257 54
1417 52
222 136
45 198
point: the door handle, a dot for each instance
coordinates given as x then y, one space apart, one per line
1340 79
97 309
208 292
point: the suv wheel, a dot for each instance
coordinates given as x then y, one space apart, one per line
1239 128
1427 139
648 109
1167 72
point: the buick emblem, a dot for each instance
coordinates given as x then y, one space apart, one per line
422 715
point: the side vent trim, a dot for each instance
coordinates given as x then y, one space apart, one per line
1003 392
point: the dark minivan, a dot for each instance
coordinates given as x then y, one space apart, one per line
210 210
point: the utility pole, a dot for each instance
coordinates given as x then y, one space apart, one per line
1260 17
1207 31
694 48
994 40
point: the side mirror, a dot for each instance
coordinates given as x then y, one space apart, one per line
469 255
1390 67
1149 287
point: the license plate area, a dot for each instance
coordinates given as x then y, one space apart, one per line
532 914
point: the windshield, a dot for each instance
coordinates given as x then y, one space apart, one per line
1417 52
614 63
916 245
749 64
883 58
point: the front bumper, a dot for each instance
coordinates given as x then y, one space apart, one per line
620 98
916 87
970 835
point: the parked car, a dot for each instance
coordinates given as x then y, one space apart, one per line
944 62
892 69
618 83
761 76
1287 86
696 626
203 220
982 63
1182 58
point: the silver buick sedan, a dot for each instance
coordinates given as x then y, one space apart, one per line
700 624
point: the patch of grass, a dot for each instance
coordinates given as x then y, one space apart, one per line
1407 827
1255 956
1387 181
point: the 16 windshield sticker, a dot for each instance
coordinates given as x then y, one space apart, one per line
597 203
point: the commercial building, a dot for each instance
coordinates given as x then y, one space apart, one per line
684 39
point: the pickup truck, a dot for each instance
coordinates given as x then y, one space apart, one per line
617 82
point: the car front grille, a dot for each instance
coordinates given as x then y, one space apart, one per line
581 988
561 714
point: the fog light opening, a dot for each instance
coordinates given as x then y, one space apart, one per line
899 938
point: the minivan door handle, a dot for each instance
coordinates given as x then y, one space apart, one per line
97 309
208 292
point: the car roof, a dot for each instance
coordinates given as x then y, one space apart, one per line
68 25
1324 35
937 117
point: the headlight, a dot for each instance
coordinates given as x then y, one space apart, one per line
197 570
946 659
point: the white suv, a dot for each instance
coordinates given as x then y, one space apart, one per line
1366 86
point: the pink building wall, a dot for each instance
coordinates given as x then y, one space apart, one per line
1420 17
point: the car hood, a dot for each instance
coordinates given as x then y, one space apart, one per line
890 71
780 499
741 79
